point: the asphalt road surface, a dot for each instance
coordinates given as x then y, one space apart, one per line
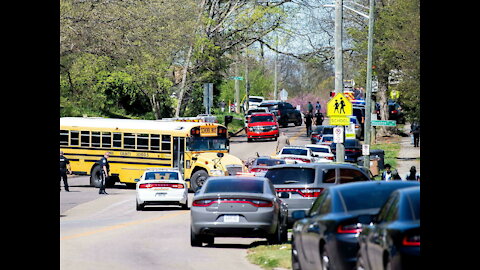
106 232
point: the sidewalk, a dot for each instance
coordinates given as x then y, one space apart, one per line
408 156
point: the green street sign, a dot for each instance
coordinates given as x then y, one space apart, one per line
387 123
237 78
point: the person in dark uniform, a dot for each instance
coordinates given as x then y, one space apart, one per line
64 166
308 123
104 173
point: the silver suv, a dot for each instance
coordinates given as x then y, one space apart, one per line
300 184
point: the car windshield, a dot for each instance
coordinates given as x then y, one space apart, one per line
255 99
319 149
291 176
269 162
234 185
366 198
294 151
161 176
206 144
261 118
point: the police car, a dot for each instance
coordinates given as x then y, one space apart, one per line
160 186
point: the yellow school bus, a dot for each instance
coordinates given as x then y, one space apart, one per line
197 149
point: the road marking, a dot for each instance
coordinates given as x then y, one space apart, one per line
119 226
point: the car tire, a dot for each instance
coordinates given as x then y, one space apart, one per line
325 258
276 237
360 265
195 240
298 123
140 206
185 206
249 139
294 254
198 179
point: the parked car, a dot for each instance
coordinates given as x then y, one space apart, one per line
326 139
319 131
393 241
262 126
395 112
301 184
252 111
323 153
161 187
296 154
284 111
353 149
325 236
235 206
358 128
260 165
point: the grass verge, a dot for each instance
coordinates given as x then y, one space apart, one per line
271 256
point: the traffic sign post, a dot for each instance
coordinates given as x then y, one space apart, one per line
339 108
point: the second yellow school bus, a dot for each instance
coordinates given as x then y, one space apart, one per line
197 149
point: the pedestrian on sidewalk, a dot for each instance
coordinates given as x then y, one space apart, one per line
389 174
412 175
104 164
64 166
415 131
282 141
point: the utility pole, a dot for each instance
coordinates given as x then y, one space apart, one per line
247 84
275 90
237 87
340 156
368 97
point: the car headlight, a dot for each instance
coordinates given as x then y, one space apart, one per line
274 127
216 173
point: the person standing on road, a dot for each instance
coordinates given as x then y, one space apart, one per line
64 166
310 107
308 123
319 119
282 141
104 172
318 107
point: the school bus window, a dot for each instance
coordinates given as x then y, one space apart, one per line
166 142
106 139
95 139
117 140
74 141
129 141
154 142
63 137
142 141
85 138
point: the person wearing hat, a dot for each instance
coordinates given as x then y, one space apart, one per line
64 166
105 172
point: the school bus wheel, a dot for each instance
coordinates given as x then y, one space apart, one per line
198 179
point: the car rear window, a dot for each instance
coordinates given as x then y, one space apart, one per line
319 149
294 151
234 185
269 162
161 176
415 204
291 176
366 198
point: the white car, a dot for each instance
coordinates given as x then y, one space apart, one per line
296 154
160 186
254 101
322 152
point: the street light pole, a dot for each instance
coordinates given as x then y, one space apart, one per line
340 155
368 96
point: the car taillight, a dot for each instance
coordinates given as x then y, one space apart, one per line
258 170
154 185
394 111
304 192
330 158
256 203
411 240
353 150
350 228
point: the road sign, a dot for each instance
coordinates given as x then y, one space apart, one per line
339 105
350 131
338 134
237 78
365 149
387 123
283 95
339 121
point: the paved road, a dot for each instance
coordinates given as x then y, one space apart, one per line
106 232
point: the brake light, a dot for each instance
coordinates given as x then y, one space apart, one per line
330 158
304 192
411 241
306 160
258 170
353 150
350 228
154 185
394 111
209 202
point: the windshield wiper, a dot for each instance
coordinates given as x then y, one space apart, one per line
290 182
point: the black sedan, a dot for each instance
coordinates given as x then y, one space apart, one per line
326 236
353 149
393 242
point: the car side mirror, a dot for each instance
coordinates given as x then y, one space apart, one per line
299 214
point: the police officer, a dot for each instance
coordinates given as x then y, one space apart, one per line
104 172
64 166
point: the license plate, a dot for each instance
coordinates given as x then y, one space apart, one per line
160 189
160 194
231 218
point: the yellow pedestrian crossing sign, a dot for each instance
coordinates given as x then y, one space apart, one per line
339 105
